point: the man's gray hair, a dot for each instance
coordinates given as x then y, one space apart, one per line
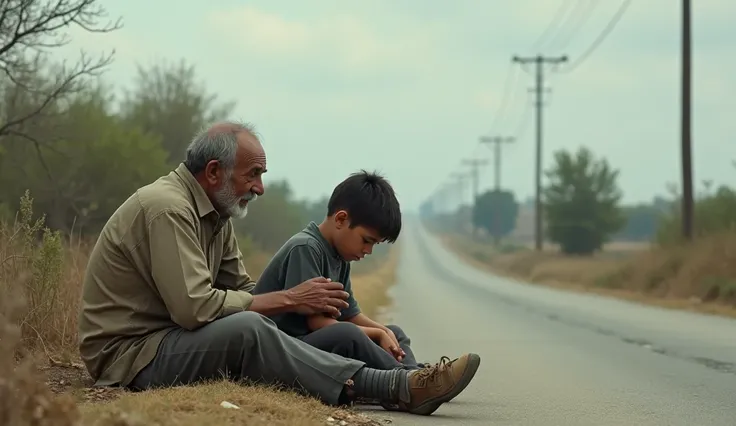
217 142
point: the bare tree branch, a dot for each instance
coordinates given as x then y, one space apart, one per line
45 165
64 84
37 142
28 22
29 29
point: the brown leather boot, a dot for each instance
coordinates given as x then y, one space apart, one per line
432 386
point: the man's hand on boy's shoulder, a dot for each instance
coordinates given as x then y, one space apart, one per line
318 295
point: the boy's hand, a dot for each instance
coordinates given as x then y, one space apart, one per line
318 296
396 342
389 345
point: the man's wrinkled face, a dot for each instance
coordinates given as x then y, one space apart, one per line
242 184
229 202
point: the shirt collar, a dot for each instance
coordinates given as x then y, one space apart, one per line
201 200
313 229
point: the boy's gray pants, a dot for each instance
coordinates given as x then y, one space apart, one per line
247 346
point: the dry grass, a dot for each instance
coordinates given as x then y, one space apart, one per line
614 247
198 405
546 267
699 277
46 278
43 383
24 397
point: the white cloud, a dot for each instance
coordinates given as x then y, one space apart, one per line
127 46
339 40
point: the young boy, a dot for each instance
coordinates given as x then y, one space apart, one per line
362 212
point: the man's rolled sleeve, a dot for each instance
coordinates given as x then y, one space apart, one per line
236 301
180 273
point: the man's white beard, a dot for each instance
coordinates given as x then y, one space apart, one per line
228 201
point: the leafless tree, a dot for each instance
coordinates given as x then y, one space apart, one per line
29 31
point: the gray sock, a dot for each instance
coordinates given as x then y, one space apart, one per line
384 385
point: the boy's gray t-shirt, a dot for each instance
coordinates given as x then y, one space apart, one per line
304 256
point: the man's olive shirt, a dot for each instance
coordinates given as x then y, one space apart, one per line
165 259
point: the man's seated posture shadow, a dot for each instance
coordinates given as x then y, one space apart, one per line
167 301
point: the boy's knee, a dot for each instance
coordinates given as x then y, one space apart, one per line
347 332
347 339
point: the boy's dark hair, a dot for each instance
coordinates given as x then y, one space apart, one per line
370 202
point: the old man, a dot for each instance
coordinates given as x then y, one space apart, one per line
167 300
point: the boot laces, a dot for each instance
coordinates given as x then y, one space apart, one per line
430 374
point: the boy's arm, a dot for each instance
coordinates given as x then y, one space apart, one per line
305 263
353 308
316 322
365 323
352 313
363 320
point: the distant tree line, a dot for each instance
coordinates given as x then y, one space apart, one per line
81 150
583 209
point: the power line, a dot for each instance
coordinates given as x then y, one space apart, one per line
561 10
511 79
585 14
523 123
574 12
601 37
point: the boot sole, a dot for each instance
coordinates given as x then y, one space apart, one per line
431 405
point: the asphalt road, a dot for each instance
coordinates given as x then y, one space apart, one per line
551 357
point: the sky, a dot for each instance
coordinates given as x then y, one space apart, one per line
407 87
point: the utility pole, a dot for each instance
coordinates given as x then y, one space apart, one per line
540 61
497 140
459 183
475 164
686 130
